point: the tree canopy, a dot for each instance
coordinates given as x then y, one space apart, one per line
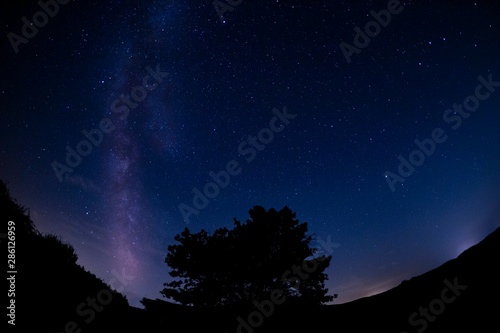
270 251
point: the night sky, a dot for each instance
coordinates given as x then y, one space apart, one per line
268 102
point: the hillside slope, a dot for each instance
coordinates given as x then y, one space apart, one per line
460 295
467 301
52 293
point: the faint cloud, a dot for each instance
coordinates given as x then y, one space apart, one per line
391 264
83 183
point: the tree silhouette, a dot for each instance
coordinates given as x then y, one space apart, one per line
271 251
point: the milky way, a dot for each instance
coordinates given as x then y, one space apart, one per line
139 114
119 206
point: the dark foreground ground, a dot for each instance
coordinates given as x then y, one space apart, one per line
54 294
467 302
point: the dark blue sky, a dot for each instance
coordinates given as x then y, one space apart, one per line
104 65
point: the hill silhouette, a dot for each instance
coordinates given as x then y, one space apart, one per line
459 296
468 304
473 310
52 292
